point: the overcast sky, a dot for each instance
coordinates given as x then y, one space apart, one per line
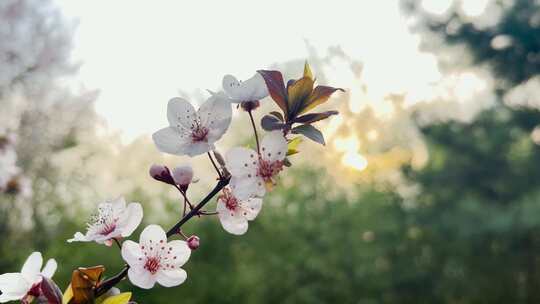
141 53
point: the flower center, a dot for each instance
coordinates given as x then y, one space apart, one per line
230 201
152 264
267 169
199 134
104 222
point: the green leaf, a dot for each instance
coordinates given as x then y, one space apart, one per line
122 298
307 71
310 132
292 146
276 87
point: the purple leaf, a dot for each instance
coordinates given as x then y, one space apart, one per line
271 123
314 117
276 87
50 291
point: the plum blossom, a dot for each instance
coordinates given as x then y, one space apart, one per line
193 132
154 259
235 213
251 173
114 220
253 89
26 284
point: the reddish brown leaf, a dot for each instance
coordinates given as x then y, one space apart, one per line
83 282
314 117
276 87
319 95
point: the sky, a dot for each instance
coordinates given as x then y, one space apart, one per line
139 54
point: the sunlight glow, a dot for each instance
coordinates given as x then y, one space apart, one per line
351 157
355 161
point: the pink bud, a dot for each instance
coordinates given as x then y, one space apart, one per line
193 242
183 175
161 173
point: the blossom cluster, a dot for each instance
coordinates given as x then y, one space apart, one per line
245 175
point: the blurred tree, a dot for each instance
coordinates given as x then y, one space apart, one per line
44 115
479 195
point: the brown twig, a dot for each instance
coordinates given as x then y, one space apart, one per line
215 166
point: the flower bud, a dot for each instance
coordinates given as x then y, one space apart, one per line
183 175
193 242
161 173
250 105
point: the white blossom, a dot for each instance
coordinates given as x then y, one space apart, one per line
18 285
154 259
193 132
253 89
234 213
113 220
252 173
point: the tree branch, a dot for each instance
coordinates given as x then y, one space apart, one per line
112 281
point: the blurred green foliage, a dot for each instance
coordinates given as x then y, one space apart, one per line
470 235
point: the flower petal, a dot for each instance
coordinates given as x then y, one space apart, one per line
32 267
118 205
274 146
132 254
140 277
130 219
215 114
49 269
181 114
180 252
13 287
250 90
244 187
252 207
241 161
78 237
197 148
233 222
171 140
152 234
171 277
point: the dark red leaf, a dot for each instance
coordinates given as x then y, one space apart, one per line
319 95
277 115
276 87
313 117
50 291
